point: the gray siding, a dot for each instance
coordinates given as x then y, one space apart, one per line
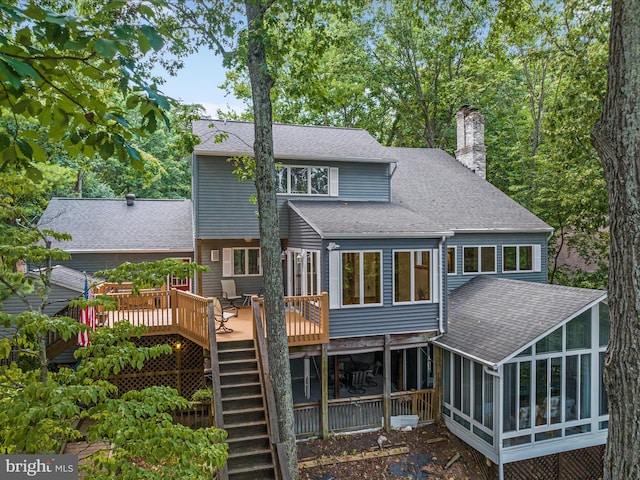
59 298
362 181
211 280
93 262
221 203
301 235
388 318
498 240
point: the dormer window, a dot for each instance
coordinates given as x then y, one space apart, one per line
301 180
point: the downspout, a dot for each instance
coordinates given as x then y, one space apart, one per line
443 294
395 167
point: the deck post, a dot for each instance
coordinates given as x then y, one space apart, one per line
436 407
324 392
386 391
324 322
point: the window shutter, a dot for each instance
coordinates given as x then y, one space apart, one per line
334 279
333 181
537 258
435 276
227 262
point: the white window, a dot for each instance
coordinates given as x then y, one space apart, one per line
298 180
414 276
520 258
361 278
452 260
479 259
239 262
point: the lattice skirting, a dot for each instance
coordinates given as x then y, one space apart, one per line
182 370
583 464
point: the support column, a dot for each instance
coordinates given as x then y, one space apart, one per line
324 392
386 391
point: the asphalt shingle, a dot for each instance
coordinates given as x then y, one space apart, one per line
491 318
291 142
110 225
431 182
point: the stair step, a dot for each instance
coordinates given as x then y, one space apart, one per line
249 442
243 453
238 389
237 354
255 471
237 345
239 430
244 401
245 415
240 376
228 366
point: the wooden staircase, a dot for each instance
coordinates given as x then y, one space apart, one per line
244 413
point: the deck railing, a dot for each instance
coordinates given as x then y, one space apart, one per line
175 311
361 413
307 318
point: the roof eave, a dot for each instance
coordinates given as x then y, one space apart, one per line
312 158
503 230
489 363
360 235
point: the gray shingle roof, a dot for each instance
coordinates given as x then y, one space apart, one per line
67 278
109 225
337 219
492 318
291 142
445 192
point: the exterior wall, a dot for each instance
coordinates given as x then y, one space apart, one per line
93 262
59 298
388 318
221 203
460 240
211 280
301 235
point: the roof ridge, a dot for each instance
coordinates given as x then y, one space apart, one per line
287 124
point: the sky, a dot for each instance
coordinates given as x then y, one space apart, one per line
199 82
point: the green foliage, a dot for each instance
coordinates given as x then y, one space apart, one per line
37 417
150 274
64 71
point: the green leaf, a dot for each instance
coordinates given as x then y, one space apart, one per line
153 36
106 48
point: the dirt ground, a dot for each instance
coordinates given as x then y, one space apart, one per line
420 454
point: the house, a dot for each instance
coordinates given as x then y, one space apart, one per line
438 300
106 232
65 284
390 233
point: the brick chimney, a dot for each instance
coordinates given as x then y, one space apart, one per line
471 151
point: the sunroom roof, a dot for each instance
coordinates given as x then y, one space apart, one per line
491 318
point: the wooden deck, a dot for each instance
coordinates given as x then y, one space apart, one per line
169 312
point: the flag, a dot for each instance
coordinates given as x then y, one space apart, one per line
87 315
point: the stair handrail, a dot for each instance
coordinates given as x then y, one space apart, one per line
263 359
215 375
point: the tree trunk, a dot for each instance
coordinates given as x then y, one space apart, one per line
261 83
616 138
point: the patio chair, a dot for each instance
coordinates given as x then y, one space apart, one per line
357 382
222 316
229 293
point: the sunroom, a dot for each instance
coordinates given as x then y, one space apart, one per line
522 370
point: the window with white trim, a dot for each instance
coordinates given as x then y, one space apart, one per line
452 261
412 276
241 262
361 278
299 180
479 259
517 258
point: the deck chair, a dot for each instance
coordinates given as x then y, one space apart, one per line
222 316
357 381
229 293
